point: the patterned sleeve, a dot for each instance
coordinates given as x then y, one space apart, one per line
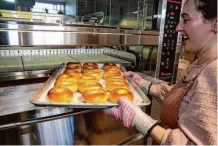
198 123
175 137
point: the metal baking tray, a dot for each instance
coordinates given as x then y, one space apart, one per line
40 98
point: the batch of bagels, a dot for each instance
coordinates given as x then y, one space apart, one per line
85 78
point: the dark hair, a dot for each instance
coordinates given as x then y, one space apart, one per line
208 8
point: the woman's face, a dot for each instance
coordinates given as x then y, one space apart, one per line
196 31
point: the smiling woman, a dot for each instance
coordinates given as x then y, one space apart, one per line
198 26
189 110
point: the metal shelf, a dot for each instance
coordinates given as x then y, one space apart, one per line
42 59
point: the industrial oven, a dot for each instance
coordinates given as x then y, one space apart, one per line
138 34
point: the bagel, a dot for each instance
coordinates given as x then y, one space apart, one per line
89 64
118 93
111 72
113 78
72 86
106 65
87 79
71 65
97 75
93 69
95 96
89 86
60 95
62 76
66 78
116 68
114 85
72 72
78 69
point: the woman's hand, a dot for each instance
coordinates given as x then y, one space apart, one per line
131 116
158 90
136 77
139 80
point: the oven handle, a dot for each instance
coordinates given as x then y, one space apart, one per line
44 119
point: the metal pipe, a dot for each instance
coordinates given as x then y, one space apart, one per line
110 14
132 139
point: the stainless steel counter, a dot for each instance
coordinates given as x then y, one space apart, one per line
16 99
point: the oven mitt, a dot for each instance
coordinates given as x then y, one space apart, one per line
131 116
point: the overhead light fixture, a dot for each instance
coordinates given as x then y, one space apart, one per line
10 1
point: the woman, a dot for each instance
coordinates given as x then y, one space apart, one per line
189 109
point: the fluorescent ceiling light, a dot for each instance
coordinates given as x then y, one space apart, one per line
10 1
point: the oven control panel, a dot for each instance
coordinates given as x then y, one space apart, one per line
170 35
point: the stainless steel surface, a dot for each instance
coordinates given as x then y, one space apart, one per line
160 42
80 129
10 64
128 57
73 28
27 63
15 99
12 76
152 79
35 62
98 58
55 132
160 10
36 57
49 117
34 35
38 98
178 52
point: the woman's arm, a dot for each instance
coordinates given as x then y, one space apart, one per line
133 116
158 133
170 136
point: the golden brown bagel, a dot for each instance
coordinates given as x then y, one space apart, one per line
72 72
62 76
97 75
77 68
60 95
106 65
113 78
111 72
88 70
71 65
118 93
90 64
87 79
89 86
66 78
69 85
115 68
95 96
114 85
